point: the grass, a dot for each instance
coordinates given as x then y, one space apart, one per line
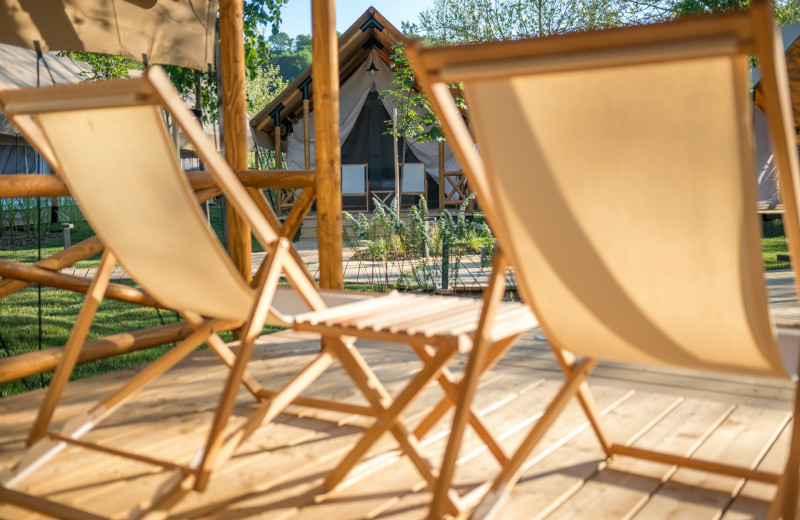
771 247
19 313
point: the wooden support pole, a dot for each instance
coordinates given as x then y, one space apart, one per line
442 179
80 251
27 185
231 28
325 73
32 363
32 274
278 164
396 163
307 133
278 158
259 179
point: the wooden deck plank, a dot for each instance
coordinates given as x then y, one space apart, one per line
626 484
741 439
755 497
554 476
394 477
278 473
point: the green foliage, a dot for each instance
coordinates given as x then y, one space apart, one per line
383 237
386 238
459 21
291 57
772 228
415 119
787 11
103 66
683 7
262 86
771 248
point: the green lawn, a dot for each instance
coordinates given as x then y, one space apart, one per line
771 247
19 313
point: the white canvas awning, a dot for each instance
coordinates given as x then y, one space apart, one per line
167 31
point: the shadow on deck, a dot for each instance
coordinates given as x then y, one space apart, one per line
278 473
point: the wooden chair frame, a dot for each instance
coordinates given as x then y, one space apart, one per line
754 33
155 89
455 189
436 328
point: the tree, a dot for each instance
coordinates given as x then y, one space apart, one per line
291 57
415 119
786 11
458 21
262 87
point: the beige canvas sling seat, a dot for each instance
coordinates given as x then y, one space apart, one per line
620 183
436 328
109 143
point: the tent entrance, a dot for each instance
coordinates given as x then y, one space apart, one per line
369 143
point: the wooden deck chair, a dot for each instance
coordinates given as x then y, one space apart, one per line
355 183
109 144
616 168
414 182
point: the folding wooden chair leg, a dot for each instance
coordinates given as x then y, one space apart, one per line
390 413
276 404
567 361
785 502
450 387
253 329
511 472
180 483
497 350
469 383
224 352
82 423
73 347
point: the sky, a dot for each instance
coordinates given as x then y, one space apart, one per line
296 15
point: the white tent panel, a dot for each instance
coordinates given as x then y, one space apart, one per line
766 174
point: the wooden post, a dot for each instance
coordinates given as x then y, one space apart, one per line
305 88
442 180
396 163
278 159
325 71
307 132
231 28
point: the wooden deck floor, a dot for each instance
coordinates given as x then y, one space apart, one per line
278 473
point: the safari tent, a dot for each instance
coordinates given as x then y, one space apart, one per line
365 50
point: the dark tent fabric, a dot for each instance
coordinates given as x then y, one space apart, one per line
369 144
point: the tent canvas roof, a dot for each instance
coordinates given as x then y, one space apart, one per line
369 39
